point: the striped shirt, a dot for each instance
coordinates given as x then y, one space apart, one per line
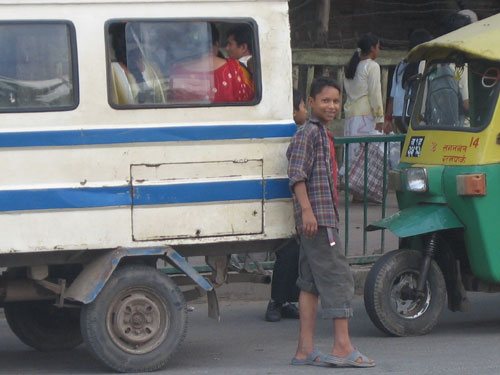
309 160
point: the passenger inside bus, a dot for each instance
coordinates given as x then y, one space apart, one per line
121 88
240 45
209 78
135 80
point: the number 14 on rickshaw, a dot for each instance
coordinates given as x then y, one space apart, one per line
474 142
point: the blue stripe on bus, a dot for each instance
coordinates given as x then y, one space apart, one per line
198 192
141 135
47 199
277 189
72 198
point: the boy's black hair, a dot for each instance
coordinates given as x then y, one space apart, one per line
454 22
297 98
242 33
417 37
319 83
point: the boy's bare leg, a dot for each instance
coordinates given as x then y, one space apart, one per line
342 345
308 308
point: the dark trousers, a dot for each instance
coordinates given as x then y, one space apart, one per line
285 274
400 126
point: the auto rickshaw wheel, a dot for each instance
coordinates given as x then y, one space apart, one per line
390 298
137 321
43 326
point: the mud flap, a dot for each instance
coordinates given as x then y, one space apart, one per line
419 219
213 305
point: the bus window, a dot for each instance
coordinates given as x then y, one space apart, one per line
179 63
37 67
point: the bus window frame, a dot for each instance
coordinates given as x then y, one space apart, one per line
74 66
257 75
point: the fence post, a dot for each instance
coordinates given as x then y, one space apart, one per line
310 77
295 76
384 78
340 81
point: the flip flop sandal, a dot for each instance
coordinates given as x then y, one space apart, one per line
316 358
350 360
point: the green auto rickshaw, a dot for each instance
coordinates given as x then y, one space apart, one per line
447 186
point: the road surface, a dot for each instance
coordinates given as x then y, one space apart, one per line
244 344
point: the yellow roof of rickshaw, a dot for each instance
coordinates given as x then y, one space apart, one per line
480 39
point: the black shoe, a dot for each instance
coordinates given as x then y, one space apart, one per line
273 312
290 311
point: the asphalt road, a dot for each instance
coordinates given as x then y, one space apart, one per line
243 344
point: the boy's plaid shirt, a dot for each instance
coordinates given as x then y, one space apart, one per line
309 160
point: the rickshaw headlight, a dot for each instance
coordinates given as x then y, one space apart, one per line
416 180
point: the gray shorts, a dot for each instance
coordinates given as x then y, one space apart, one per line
324 271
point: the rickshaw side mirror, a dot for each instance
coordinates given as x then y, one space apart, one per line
410 97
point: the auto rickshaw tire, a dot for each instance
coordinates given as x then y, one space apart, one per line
384 303
137 321
43 326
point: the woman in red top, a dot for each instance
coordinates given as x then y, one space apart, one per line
211 79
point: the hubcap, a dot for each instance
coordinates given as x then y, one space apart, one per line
403 301
138 320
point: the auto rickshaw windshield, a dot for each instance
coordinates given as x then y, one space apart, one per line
455 95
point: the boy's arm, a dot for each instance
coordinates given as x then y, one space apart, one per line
309 223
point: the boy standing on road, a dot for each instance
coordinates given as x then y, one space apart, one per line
323 267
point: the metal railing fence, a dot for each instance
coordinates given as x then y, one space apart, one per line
366 140
356 258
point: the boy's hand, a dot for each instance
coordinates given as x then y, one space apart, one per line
309 223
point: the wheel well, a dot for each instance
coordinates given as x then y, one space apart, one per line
451 258
146 261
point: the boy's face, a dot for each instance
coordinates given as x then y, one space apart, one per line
326 104
300 116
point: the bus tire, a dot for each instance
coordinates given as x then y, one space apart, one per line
43 326
388 302
137 321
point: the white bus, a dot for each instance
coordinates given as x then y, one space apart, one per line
125 138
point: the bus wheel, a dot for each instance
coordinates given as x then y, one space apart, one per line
389 295
43 326
137 321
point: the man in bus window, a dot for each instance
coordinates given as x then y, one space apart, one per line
239 45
